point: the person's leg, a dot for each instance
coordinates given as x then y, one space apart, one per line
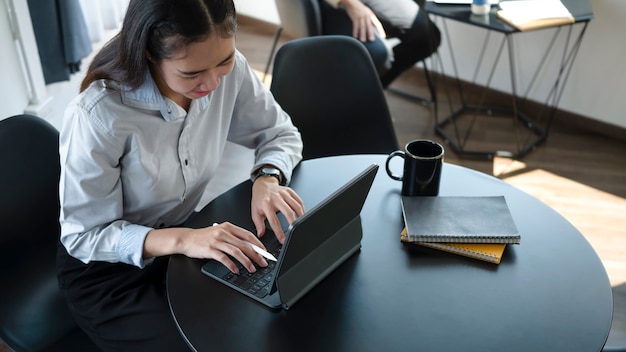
121 307
416 43
336 21
398 14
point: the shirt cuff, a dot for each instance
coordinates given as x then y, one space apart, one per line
279 161
130 246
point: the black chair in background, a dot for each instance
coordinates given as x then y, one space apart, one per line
330 88
303 18
33 313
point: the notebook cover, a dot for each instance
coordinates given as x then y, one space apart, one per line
459 220
489 252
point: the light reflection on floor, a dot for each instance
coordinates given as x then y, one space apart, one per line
598 215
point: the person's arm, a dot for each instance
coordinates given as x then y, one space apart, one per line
215 242
261 124
101 220
92 215
90 190
365 24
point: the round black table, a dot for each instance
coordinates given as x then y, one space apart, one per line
550 293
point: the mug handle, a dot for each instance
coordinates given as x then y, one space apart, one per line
391 156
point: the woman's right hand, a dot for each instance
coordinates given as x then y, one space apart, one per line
221 242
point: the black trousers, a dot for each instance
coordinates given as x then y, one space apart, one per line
121 307
416 43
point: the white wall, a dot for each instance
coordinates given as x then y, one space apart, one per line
598 82
262 9
15 91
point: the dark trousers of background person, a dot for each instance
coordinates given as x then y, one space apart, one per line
416 43
121 307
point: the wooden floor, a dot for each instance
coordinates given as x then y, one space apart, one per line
579 174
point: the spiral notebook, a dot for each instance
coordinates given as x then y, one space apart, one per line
459 220
489 252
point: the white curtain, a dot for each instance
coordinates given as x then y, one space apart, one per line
102 15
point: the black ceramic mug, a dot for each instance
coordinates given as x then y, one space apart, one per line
423 160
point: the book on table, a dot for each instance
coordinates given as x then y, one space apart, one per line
489 252
459 220
534 14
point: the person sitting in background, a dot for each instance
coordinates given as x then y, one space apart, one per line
139 145
373 21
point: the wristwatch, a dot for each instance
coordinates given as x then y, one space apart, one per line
270 171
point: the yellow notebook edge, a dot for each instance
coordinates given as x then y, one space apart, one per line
489 252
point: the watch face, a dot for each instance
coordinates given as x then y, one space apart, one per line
268 171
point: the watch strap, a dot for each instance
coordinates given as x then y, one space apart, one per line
270 171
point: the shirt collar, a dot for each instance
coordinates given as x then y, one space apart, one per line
148 97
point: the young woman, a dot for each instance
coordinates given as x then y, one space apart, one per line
139 145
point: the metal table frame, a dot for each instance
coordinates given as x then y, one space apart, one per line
540 122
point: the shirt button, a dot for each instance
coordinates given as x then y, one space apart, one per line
186 162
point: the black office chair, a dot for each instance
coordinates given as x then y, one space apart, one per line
330 88
33 314
303 18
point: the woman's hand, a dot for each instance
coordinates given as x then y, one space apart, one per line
219 242
269 198
364 22
225 242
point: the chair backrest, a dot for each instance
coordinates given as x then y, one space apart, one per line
29 184
330 88
33 314
300 18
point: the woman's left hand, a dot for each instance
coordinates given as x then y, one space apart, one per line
269 198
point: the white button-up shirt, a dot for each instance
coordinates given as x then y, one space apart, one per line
132 161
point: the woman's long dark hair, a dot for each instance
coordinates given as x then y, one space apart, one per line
158 28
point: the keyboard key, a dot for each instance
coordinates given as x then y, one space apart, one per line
240 280
246 285
262 292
